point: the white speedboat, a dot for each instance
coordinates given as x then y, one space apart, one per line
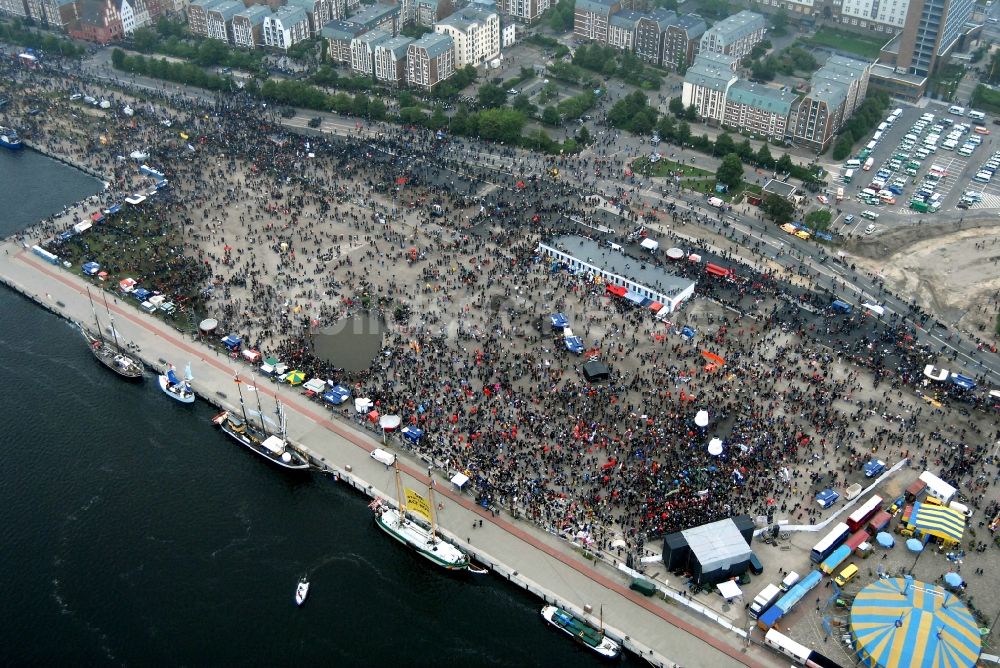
175 388
301 591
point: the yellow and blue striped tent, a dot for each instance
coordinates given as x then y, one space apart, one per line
901 622
938 521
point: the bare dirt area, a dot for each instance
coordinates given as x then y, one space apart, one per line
954 274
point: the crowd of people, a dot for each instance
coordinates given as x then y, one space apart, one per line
278 235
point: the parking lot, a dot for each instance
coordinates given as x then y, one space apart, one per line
921 182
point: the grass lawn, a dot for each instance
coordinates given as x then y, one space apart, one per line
846 41
707 186
664 167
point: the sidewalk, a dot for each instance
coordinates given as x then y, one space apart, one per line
534 559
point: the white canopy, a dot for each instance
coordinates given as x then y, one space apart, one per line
459 480
701 418
363 405
389 422
934 373
315 385
649 244
82 227
874 308
715 447
729 590
675 253
274 444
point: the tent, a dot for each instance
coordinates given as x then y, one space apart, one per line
953 579
251 355
82 227
338 395
558 320
232 341
97 217
295 377
362 405
412 434
113 209
91 268
675 253
595 371
142 294
616 290
941 522
729 590
126 284
634 297
687 332
963 382
574 344
315 385
460 480
649 244
885 539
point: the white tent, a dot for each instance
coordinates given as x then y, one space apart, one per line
701 418
649 244
729 590
363 405
459 480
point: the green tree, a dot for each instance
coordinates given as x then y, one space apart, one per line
682 133
843 147
676 107
438 119
491 96
777 208
570 146
145 40
583 136
819 219
784 164
118 59
550 116
376 109
211 52
666 127
730 171
524 104
691 113
779 23
763 157
724 145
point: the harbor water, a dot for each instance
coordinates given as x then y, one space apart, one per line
134 533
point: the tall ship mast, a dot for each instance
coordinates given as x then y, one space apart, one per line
271 446
424 540
113 357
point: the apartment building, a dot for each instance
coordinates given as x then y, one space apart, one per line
390 60
14 8
735 35
527 11
592 18
197 16
682 41
248 26
650 34
286 27
338 36
363 51
475 34
707 83
837 89
430 60
758 109
219 17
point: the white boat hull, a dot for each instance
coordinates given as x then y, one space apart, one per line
176 394
413 535
301 592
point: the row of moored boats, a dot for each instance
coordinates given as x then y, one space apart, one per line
410 521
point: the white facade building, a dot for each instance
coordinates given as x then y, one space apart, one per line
476 34
286 27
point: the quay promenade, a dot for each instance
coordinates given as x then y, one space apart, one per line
663 633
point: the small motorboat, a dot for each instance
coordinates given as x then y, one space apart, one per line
301 591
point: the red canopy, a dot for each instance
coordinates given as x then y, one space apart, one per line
616 290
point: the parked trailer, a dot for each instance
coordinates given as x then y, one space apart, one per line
855 540
764 600
797 651
859 518
880 521
836 558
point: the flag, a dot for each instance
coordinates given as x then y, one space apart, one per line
417 504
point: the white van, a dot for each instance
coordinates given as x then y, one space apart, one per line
976 115
962 508
380 455
852 164
958 111
148 307
790 581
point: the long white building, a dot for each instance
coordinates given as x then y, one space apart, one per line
476 33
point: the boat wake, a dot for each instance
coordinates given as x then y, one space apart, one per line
247 523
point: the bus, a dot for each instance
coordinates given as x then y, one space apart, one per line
852 164
868 164
796 651
859 518
822 549
848 176
836 558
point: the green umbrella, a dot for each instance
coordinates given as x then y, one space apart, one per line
295 377
273 361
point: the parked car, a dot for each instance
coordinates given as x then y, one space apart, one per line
874 468
315 122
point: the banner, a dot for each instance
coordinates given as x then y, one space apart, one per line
417 504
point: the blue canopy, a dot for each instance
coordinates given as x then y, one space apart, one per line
687 332
68 234
91 268
885 539
634 297
953 579
142 294
114 208
338 395
574 344
232 341
171 376
914 545
559 321
963 382
412 434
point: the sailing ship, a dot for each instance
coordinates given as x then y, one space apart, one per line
397 523
113 357
272 447
582 631
175 388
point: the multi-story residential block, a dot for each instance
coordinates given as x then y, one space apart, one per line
838 88
15 8
320 12
429 12
527 11
57 14
650 34
682 41
880 16
219 17
430 60
248 26
706 84
338 35
621 29
363 51
735 35
758 109
591 18
390 60
379 15
508 34
197 15
475 34
286 27
97 21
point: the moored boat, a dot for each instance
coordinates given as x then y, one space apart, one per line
423 539
175 388
9 139
272 447
122 364
582 631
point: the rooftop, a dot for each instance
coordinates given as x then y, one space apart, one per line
779 188
771 100
374 37
465 18
372 15
227 8
711 71
597 6
434 43
341 30
639 270
397 45
737 26
255 13
626 18
693 24
717 544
